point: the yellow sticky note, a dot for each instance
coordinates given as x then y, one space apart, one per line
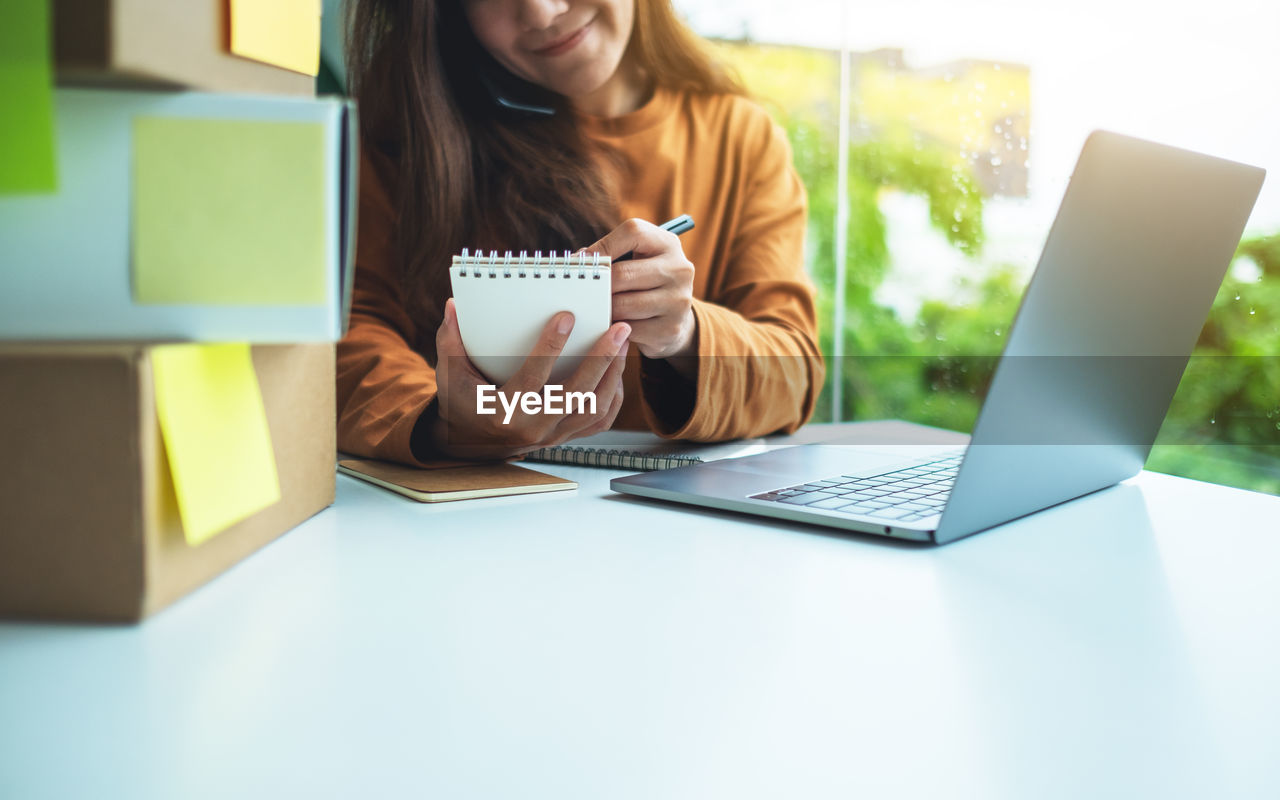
228 212
215 435
27 157
281 32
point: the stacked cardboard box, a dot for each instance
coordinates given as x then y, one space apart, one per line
186 229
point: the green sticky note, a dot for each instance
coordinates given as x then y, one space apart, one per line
228 212
27 157
215 434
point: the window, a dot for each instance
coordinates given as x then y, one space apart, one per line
935 140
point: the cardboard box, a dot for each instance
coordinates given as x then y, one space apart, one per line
66 267
89 527
161 43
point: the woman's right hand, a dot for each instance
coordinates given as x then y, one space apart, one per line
460 432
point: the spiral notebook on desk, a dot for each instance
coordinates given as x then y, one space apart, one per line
504 302
642 452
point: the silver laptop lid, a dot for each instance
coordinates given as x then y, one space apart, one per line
1128 273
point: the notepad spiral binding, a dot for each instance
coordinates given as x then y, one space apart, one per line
581 265
617 459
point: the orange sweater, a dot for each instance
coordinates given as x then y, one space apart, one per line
718 158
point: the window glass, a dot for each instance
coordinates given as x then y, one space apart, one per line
961 123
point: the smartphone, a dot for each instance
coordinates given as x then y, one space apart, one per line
514 94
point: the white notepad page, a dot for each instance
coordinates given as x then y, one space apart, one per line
504 302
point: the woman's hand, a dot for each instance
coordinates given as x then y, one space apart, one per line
461 432
652 291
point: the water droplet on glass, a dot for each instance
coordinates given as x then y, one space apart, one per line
957 215
1237 295
996 161
1252 312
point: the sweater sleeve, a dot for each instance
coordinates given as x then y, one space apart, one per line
759 366
383 384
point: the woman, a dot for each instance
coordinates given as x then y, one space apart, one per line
539 124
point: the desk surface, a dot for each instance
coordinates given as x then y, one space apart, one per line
587 645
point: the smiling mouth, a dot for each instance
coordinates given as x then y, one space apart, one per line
564 45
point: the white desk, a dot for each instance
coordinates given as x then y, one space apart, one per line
585 645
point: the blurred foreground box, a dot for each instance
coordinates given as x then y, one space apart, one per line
167 43
89 524
186 217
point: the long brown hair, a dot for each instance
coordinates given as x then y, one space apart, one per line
468 173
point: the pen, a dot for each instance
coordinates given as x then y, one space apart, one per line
679 225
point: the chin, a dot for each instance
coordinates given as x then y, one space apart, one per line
581 83
582 90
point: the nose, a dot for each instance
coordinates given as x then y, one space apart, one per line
540 14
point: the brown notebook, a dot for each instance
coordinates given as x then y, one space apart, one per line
454 483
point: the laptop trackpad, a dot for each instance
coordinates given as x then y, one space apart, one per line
815 462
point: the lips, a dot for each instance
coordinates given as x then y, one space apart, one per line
561 46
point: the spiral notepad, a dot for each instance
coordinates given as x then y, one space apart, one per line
642 452
611 458
504 302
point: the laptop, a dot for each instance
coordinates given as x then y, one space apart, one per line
1129 270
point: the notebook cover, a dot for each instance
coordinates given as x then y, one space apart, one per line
454 483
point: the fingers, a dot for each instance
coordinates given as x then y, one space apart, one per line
611 381
623 239
453 366
606 421
449 347
464 432
448 337
605 382
661 320
528 431
535 370
588 374
609 397
636 236
633 307
638 276
612 378
493 435
667 270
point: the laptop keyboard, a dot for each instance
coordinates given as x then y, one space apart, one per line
904 495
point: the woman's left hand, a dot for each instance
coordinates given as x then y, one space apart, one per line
653 290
